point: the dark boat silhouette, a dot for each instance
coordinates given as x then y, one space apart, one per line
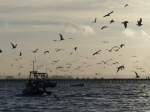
37 84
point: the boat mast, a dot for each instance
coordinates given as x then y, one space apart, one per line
33 65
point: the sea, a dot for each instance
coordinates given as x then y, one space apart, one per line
94 96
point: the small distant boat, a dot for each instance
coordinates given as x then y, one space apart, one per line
78 85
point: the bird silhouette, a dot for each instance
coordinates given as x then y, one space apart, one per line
95 20
20 54
35 51
137 76
57 49
126 5
61 36
75 48
103 27
97 52
122 45
114 63
120 68
59 67
115 48
112 21
46 52
1 50
56 61
108 14
13 45
139 22
125 23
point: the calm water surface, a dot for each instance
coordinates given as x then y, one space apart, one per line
95 96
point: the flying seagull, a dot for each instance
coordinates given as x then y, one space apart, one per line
56 61
45 52
126 5
97 52
57 49
111 21
59 67
75 48
103 27
1 50
20 54
95 20
35 51
125 23
61 36
108 14
137 76
139 22
115 48
114 63
13 45
122 45
120 68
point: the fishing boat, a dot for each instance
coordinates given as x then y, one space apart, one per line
37 84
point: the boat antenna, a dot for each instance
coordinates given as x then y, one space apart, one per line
33 65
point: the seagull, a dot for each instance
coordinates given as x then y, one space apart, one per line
75 48
46 52
108 14
1 51
120 68
61 36
115 48
57 49
125 23
59 67
35 51
111 21
103 27
122 45
126 5
95 20
56 61
13 45
20 54
114 63
97 52
137 76
139 22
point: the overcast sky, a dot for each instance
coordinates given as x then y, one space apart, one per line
36 23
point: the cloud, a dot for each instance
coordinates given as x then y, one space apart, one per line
129 32
135 33
75 28
144 34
